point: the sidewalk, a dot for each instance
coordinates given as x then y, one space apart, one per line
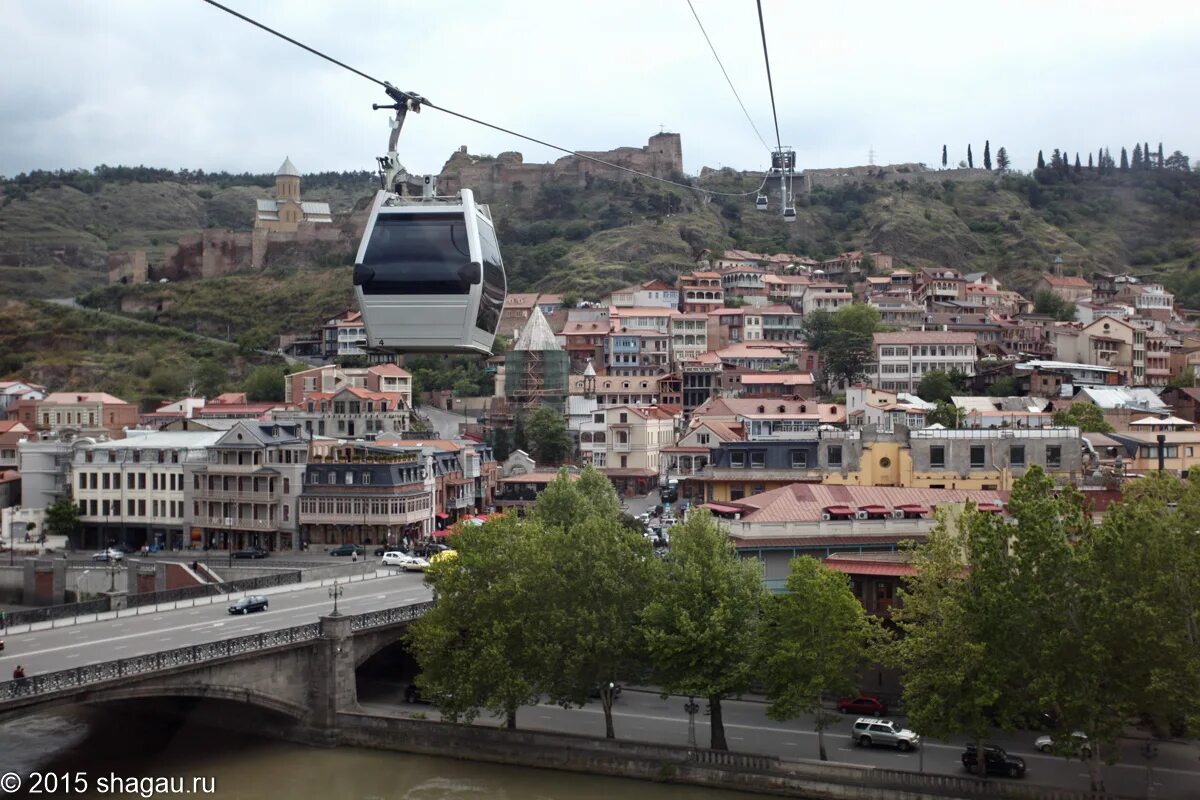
368 573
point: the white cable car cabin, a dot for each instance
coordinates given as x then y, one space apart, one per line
789 214
428 275
760 202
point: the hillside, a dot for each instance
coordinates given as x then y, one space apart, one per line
56 232
67 348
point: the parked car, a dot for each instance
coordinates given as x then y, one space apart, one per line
348 550
996 761
110 554
249 604
863 704
1081 746
868 732
667 522
409 563
594 692
249 552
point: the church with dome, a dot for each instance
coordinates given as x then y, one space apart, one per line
286 212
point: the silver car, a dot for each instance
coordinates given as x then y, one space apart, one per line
868 732
1079 742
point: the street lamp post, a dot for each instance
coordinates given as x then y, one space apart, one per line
1149 752
335 592
691 707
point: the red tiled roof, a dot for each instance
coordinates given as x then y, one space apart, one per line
391 370
925 337
806 502
1065 281
870 567
752 543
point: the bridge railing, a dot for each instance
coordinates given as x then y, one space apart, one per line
77 677
206 589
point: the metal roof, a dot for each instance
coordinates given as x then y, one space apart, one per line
287 168
536 335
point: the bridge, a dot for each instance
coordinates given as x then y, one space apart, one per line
289 660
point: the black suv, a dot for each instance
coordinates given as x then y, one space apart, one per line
996 761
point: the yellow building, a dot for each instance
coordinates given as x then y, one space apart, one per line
287 212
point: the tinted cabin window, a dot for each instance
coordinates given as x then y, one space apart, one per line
491 299
419 254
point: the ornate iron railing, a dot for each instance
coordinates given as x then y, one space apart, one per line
154 662
28 616
207 589
77 677
388 616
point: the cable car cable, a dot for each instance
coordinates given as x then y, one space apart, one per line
444 110
727 78
770 85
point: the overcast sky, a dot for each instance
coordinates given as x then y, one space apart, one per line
178 83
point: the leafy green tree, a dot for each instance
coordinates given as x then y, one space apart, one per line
566 501
818 330
959 650
62 519
1178 162
813 640
1184 380
987 154
167 381
1047 302
481 648
1003 387
936 387
590 601
520 440
264 384
546 431
946 414
1083 415
465 387
1002 160
501 447
570 299
700 625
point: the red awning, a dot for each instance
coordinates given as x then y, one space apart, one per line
913 508
989 508
839 510
439 534
874 509
722 509
442 515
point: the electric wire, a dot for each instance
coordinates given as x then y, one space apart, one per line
481 122
728 80
770 85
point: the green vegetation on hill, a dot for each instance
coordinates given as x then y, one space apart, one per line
76 349
56 230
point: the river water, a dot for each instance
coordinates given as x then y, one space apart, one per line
245 767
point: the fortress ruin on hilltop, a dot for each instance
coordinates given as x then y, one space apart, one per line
662 157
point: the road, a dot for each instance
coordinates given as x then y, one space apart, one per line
77 645
444 423
645 716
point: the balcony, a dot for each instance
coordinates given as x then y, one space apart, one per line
240 523
231 495
622 447
407 518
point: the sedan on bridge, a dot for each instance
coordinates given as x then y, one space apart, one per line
249 604
111 554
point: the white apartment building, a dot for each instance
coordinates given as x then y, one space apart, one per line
689 336
825 297
902 359
131 491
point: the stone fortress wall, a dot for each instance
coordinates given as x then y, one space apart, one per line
661 157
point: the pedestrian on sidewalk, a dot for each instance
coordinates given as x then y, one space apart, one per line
18 673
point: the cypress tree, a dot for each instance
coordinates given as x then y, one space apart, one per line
1137 157
1160 156
987 155
1100 160
970 158
1124 160
1078 168
1146 162
1090 161
1041 160
943 156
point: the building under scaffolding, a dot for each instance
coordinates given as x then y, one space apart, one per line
536 369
